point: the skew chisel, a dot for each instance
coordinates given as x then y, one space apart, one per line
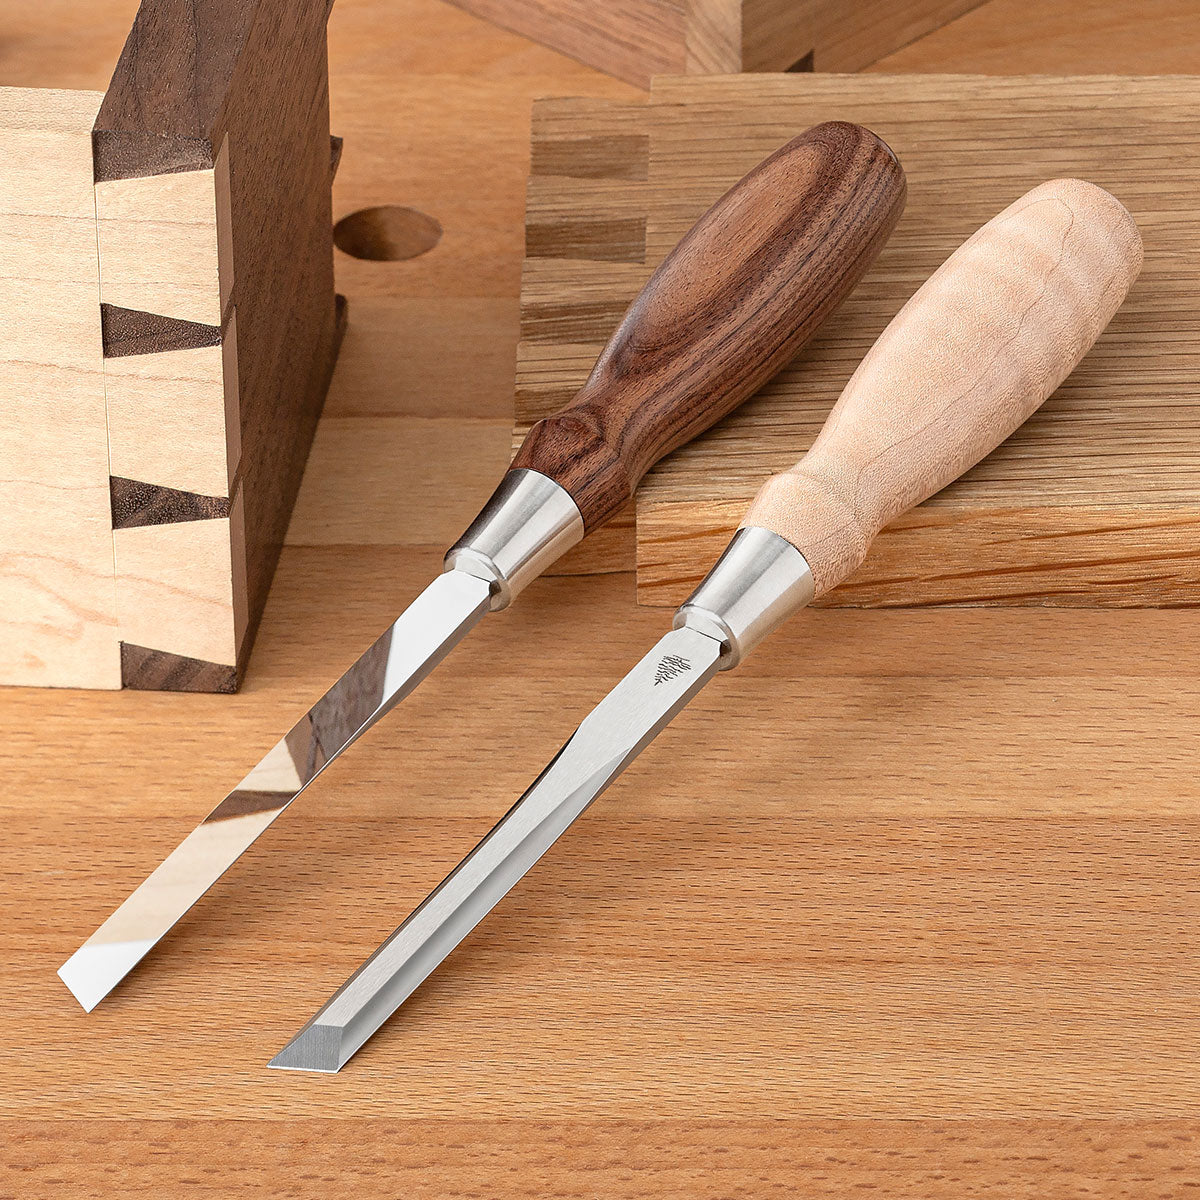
732 304
973 353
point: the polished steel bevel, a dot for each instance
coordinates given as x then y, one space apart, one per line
528 522
609 739
431 626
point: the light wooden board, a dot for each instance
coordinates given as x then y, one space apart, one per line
167 417
57 602
174 588
772 932
637 39
158 243
1094 503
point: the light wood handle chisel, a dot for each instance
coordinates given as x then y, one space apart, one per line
749 284
976 350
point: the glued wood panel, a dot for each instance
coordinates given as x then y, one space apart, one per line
57 604
1095 501
865 858
622 1158
638 39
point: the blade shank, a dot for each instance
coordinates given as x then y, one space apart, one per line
615 732
422 636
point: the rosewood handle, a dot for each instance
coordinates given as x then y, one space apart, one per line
976 350
735 300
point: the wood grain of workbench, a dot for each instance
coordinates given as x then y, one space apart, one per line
907 905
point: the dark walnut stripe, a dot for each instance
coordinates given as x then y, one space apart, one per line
135 504
128 331
118 155
158 671
170 87
618 240
735 301
620 156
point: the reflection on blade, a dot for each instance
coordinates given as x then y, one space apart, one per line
431 626
608 740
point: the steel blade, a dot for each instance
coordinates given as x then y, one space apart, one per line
609 739
426 632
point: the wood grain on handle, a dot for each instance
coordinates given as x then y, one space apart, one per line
976 350
736 299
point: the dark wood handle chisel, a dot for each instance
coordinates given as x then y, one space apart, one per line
735 300
976 350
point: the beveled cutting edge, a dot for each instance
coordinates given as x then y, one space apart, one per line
382 677
607 741
528 522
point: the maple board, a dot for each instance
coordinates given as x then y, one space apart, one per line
1094 503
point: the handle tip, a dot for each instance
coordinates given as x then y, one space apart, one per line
1112 226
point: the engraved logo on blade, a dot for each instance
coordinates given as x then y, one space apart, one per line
670 666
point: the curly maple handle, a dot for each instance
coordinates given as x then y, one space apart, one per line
733 302
975 351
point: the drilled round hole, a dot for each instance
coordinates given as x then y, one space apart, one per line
387 233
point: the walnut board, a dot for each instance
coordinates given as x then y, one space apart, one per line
1094 503
638 39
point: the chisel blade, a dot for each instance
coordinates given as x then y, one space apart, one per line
423 635
613 734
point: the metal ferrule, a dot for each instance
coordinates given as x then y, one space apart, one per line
760 581
528 523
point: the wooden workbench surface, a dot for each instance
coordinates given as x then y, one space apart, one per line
908 903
